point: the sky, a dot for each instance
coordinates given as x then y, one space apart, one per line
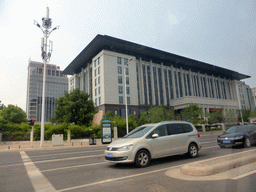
221 33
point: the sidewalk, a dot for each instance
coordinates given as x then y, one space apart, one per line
26 145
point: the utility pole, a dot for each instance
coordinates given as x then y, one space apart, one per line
46 55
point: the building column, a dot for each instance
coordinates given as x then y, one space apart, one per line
163 84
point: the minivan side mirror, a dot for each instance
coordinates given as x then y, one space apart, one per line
155 135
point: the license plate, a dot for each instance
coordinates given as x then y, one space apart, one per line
109 155
226 141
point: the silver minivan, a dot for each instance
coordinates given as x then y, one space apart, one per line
154 140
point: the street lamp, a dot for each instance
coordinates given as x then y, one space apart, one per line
47 24
126 108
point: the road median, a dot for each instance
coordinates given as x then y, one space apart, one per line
219 164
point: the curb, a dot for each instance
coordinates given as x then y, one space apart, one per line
220 164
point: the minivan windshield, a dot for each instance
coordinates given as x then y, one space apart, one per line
139 131
237 129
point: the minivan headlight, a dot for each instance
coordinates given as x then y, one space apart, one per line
239 137
124 148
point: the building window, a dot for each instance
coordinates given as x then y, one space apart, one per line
96 92
119 69
198 87
170 84
138 84
40 70
99 100
57 73
149 85
98 80
95 63
160 86
128 101
121 100
185 84
95 72
95 82
119 60
98 70
126 71
53 72
202 85
155 85
120 81
205 88
120 89
188 84
127 80
49 72
98 61
166 87
176 84
127 90
125 61
145 84
213 96
99 90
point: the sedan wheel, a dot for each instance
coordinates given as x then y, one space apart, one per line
142 158
247 142
192 150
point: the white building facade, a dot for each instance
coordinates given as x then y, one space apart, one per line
152 78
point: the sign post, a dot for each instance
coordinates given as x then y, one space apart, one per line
106 133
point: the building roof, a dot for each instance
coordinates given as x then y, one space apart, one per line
104 42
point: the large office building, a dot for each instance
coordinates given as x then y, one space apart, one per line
153 77
56 84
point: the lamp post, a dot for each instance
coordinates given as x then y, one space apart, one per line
125 93
47 24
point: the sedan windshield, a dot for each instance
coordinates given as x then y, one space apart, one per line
138 132
237 129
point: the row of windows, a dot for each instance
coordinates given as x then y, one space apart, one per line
120 80
119 70
95 72
97 90
121 100
201 86
96 81
96 104
50 72
119 61
120 90
95 61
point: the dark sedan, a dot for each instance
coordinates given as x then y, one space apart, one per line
244 135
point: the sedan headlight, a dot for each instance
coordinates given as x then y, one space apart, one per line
124 148
239 137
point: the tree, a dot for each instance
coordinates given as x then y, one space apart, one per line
253 113
12 114
246 114
231 117
216 115
192 111
74 107
1 105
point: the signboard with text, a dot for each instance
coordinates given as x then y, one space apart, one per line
106 135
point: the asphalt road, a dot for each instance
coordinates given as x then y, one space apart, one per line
84 169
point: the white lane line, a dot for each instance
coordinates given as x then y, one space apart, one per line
92 164
38 180
68 158
116 179
65 153
244 175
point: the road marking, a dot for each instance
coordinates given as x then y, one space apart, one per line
92 164
244 175
116 179
65 153
38 180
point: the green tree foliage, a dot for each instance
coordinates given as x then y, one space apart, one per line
74 107
230 117
11 118
192 111
246 114
1 105
216 116
253 113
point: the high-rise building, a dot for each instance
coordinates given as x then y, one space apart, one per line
153 77
56 84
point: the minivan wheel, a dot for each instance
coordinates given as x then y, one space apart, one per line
192 150
247 142
142 158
